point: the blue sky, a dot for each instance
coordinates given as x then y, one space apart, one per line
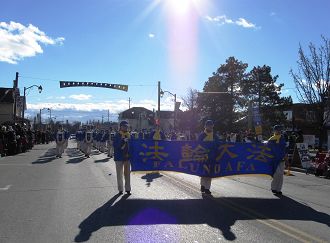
138 42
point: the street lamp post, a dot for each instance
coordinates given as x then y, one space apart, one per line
40 113
162 92
50 114
25 89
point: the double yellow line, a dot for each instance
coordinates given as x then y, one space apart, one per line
275 224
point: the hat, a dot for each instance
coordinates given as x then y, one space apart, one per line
123 123
277 128
209 123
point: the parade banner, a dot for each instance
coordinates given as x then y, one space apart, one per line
207 159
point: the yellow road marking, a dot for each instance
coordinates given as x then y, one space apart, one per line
275 224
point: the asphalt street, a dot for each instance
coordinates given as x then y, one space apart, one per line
74 199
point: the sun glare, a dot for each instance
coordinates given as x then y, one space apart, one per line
183 7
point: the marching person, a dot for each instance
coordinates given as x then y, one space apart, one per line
60 142
277 182
207 135
121 157
110 142
88 142
143 134
157 134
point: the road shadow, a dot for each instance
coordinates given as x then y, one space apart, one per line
95 152
75 156
220 213
150 177
76 160
73 152
47 157
105 160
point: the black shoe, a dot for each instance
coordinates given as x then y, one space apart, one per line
274 191
202 189
278 193
207 191
120 192
128 192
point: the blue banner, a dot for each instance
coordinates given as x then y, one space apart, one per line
207 159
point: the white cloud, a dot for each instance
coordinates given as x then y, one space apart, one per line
272 14
80 97
223 19
167 103
151 35
18 41
244 23
88 110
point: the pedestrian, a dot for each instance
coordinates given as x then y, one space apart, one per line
60 142
277 182
207 135
11 139
121 157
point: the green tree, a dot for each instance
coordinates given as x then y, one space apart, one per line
222 105
260 89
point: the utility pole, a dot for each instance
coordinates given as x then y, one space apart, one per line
15 86
129 102
108 116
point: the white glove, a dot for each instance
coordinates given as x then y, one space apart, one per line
125 140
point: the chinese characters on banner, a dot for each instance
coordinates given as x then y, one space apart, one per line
208 159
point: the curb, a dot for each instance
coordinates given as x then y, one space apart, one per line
297 169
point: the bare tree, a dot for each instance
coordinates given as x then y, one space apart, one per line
190 101
312 80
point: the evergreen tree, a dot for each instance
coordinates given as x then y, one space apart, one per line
222 105
261 90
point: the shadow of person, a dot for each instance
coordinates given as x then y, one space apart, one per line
105 160
220 213
47 157
96 220
73 152
150 177
76 160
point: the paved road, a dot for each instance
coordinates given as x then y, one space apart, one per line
73 199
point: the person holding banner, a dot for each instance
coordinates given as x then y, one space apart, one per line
121 158
207 135
277 182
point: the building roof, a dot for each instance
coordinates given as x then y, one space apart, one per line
6 95
166 114
134 113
